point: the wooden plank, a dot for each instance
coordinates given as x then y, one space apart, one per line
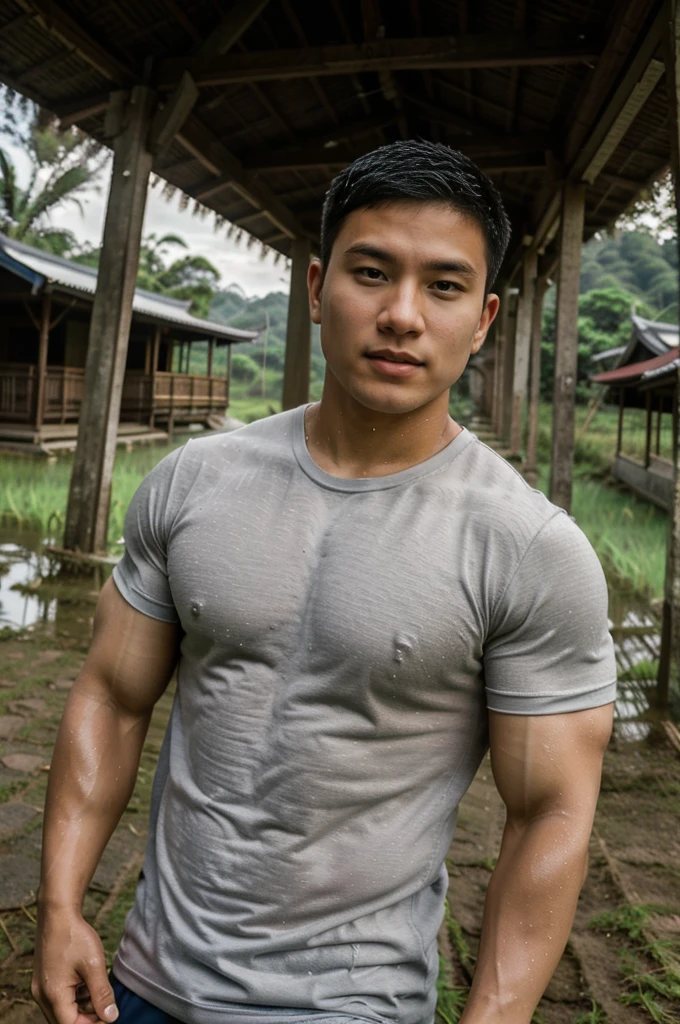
566 342
522 352
198 140
57 22
90 492
170 118
298 330
566 44
239 18
485 149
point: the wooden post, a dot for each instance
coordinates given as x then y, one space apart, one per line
501 343
525 307
87 516
154 369
566 342
658 425
298 330
619 433
211 352
648 431
508 371
669 660
531 466
43 345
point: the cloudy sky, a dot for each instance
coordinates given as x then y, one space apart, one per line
234 261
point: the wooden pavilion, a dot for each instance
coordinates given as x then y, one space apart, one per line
250 107
45 312
644 379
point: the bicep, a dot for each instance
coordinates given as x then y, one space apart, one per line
545 764
132 656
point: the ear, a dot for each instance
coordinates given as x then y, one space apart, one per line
491 307
314 286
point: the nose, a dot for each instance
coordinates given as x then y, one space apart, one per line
401 314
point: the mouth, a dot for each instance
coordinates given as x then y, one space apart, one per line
393 364
389 355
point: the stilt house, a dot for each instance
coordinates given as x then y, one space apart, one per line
646 378
45 311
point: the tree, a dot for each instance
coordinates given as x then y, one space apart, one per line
603 323
63 164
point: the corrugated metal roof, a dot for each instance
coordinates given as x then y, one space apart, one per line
64 275
634 371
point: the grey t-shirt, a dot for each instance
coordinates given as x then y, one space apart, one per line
342 641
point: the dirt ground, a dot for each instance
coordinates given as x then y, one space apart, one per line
626 940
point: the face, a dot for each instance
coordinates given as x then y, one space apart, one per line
401 304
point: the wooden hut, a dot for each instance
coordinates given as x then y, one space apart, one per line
648 384
45 314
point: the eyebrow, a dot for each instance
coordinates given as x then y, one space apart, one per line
453 266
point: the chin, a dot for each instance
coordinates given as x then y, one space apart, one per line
390 400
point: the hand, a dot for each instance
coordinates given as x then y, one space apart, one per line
70 982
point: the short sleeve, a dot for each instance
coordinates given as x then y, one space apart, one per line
141 576
549 649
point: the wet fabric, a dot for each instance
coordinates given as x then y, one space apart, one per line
342 641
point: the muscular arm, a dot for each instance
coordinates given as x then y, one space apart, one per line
93 773
547 770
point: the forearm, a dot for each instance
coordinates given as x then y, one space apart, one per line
529 911
92 776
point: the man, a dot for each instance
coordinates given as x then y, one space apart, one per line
358 597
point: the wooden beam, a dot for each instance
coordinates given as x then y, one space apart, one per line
198 140
211 186
57 22
566 342
522 352
298 330
170 118
90 491
239 18
568 44
499 151
80 108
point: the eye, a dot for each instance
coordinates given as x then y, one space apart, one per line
370 273
447 287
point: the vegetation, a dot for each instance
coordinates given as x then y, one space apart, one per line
63 164
650 966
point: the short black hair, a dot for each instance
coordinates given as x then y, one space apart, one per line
423 172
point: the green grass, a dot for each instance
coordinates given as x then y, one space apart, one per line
37 492
651 969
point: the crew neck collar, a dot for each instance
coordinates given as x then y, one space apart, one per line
371 483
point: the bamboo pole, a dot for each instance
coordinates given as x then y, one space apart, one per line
43 345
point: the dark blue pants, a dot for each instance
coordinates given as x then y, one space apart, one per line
135 1010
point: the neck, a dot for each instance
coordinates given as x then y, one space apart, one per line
348 440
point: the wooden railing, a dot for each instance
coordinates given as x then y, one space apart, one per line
17 391
64 390
177 393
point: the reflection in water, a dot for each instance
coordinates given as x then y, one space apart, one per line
37 591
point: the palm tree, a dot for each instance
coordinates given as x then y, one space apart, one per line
62 165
